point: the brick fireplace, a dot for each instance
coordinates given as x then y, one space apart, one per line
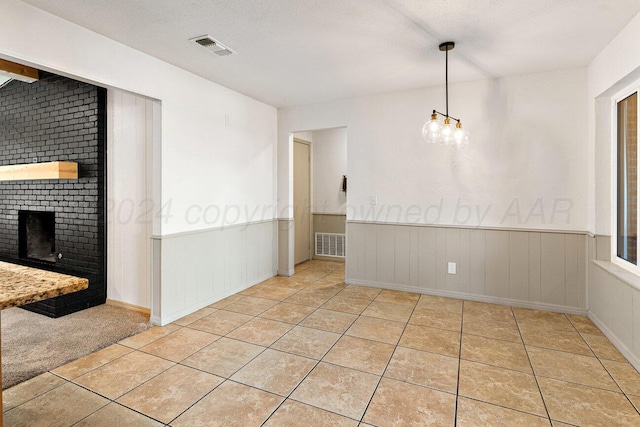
56 225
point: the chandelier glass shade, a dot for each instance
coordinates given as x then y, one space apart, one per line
440 130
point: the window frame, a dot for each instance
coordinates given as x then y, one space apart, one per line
620 96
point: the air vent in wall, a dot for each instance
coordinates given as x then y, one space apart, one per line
330 244
213 45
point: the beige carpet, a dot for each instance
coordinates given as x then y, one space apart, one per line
33 343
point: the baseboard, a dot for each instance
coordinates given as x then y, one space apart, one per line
129 306
473 297
628 354
329 258
286 273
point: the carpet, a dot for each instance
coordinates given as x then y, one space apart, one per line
33 344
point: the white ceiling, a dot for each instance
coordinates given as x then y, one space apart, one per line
294 52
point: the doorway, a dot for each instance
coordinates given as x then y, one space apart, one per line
302 199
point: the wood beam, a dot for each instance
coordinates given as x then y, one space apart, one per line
49 170
18 71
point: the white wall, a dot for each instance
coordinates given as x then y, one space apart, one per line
527 156
617 66
129 142
209 174
329 153
204 162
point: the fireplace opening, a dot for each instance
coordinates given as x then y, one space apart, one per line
37 235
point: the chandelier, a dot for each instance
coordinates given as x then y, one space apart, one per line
441 131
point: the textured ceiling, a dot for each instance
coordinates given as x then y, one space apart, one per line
293 52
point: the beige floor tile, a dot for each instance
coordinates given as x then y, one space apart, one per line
186 320
494 352
329 282
251 306
221 322
276 281
487 310
148 336
90 362
275 371
328 320
364 292
224 357
503 387
230 405
500 327
587 406
169 394
180 344
334 277
371 328
246 292
570 367
561 424
290 313
346 304
400 404
472 413
116 415
260 331
311 297
389 311
229 300
334 388
292 414
603 348
625 375
124 374
311 274
635 401
425 369
432 302
570 342
542 320
436 319
30 389
584 325
433 340
294 283
398 297
277 293
63 406
307 342
358 353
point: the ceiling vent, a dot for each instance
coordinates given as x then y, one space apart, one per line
213 45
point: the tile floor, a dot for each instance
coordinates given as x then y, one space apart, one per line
309 350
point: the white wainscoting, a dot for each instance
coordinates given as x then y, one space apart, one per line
533 269
202 267
614 306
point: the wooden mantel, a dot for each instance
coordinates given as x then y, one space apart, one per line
48 170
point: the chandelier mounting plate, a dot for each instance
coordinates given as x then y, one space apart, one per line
447 46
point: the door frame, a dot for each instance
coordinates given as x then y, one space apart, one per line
311 239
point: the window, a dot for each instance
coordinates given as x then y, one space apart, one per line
627 179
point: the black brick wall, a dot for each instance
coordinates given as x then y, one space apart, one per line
57 119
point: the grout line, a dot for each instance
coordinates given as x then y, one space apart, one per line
535 377
455 409
309 287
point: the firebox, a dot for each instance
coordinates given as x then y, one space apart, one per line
37 235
